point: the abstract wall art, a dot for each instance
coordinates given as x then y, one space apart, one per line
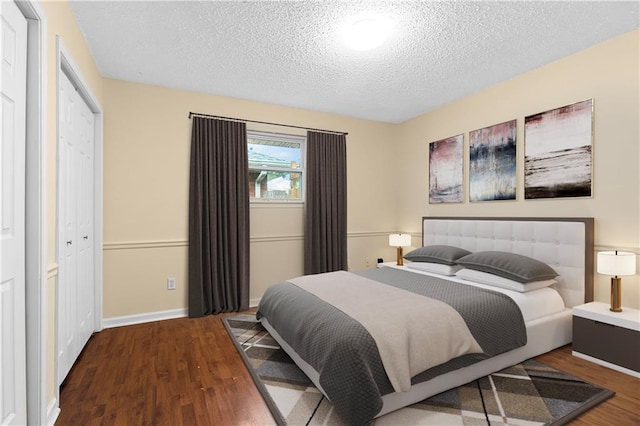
492 163
446 170
558 152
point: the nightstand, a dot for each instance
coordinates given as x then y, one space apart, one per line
607 338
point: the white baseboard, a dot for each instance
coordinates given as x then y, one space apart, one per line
154 316
53 411
142 318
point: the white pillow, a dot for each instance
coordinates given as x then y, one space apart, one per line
436 268
496 281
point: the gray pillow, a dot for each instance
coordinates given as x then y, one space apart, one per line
508 265
446 255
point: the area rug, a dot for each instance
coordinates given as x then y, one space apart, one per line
530 393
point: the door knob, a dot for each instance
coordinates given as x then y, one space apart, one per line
86 237
69 242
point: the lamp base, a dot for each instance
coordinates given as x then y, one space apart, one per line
400 260
616 294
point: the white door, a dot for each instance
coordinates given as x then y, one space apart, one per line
13 388
84 198
76 283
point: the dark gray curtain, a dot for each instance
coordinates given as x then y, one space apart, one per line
325 228
218 218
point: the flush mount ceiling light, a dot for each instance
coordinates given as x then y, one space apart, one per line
367 33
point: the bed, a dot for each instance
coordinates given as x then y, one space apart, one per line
350 362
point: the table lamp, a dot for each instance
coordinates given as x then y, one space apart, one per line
616 263
399 240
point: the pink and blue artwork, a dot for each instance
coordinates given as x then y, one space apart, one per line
446 170
492 163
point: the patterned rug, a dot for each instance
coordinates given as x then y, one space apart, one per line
530 393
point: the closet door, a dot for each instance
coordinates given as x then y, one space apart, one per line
75 280
84 198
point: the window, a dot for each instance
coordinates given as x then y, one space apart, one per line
276 167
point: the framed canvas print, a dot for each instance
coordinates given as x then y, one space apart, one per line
446 170
492 163
558 156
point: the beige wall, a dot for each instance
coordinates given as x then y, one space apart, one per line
146 174
146 163
607 73
60 23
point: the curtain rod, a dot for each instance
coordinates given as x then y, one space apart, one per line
191 114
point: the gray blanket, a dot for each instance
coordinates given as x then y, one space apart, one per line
346 356
403 342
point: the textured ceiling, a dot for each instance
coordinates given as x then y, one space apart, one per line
292 53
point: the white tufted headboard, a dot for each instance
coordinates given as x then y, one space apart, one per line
566 244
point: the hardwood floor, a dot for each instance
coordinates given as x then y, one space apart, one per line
187 372
174 372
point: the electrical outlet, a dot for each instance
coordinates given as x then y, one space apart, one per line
367 263
171 283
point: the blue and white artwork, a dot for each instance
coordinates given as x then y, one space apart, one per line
558 160
492 163
446 170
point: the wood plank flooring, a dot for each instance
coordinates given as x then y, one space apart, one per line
187 372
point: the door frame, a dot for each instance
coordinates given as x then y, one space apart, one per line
66 65
36 236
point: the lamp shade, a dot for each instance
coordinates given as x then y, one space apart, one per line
616 263
399 240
